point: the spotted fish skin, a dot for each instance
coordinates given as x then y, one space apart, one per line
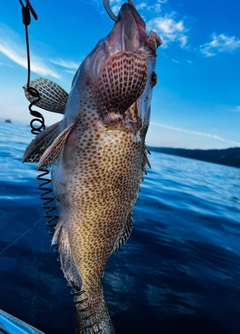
98 159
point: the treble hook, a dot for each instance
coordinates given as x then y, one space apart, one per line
110 12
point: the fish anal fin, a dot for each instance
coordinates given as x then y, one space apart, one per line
43 140
66 258
53 151
121 81
125 234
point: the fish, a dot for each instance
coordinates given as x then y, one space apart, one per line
98 156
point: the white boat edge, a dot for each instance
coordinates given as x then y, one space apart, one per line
12 325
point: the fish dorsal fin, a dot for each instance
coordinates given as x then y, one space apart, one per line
121 81
146 162
53 97
43 140
125 234
53 151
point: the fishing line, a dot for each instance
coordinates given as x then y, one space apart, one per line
37 124
22 235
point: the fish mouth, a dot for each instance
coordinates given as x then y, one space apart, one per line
129 32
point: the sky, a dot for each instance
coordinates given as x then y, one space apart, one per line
196 103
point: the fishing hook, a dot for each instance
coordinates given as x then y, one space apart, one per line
106 5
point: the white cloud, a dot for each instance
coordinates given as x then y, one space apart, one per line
67 64
219 43
196 133
142 5
4 64
37 64
155 8
169 29
12 49
115 6
176 61
70 71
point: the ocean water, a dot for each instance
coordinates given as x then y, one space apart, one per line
178 272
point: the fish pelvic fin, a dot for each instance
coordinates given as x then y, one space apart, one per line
68 265
43 140
52 96
53 151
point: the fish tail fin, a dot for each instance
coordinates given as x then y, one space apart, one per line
90 304
92 312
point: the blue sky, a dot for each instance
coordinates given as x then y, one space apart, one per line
196 103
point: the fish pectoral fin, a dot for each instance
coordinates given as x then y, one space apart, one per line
52 96
125 234
43 140
121 81
53 151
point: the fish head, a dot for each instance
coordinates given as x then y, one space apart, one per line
118 75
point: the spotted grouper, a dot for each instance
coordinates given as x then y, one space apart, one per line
98 157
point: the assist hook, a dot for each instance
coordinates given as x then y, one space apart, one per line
106 4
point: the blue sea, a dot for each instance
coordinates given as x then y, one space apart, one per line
178 272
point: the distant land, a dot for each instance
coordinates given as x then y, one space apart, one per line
229 157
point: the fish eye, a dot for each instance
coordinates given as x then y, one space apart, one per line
153 79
